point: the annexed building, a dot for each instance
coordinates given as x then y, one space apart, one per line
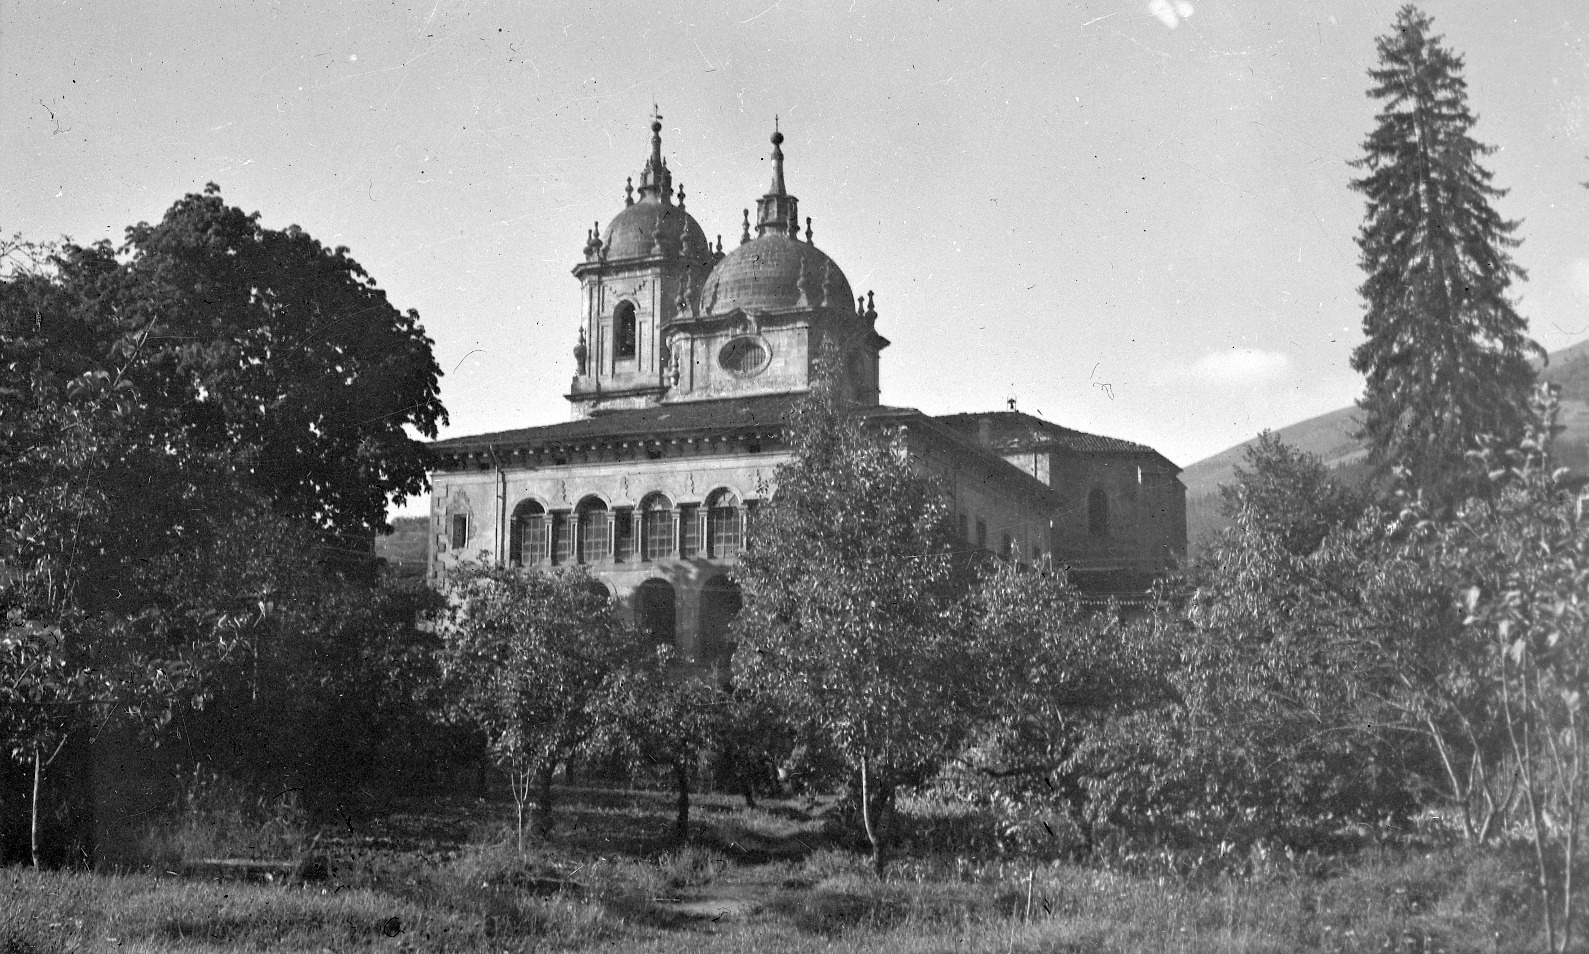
688 360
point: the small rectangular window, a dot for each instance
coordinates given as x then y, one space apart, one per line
982 533
965 533
1006 546
460 531
689 529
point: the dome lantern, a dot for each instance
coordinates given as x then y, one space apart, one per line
777 211
656 182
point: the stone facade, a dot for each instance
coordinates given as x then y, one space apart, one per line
687 362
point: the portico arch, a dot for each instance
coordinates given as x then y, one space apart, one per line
721 601
656 611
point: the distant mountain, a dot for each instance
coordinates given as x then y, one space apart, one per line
405 547
1330 437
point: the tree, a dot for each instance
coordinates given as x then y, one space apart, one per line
1289 493
526 658
259 346
210 384
850 620
82 643
1446 354
656 712
1515 565
1267 718
1055 672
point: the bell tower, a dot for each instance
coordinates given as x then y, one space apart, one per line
635 279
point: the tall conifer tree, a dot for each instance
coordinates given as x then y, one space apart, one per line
1447 354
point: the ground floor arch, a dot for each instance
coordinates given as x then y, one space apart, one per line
656 611
720 601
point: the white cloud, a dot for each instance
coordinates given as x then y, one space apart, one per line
1170 12
1242 366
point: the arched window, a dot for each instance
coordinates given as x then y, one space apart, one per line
528 543
624 334
593 521
724 535
656 527
1098 512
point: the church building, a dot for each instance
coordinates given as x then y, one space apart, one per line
687 362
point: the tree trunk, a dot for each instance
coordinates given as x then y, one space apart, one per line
872 821
38 784
681 778
747 783
519 782
543 807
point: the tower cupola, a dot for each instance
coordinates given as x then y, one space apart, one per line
777 211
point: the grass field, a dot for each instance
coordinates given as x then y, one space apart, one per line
447 876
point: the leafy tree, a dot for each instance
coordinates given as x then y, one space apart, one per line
210 385
1511 696
81 643
322 686
656 712
1270 720
260 347
527 659
1054 672
1446 354
1289 493
850 620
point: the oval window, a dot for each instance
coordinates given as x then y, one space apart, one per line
744 355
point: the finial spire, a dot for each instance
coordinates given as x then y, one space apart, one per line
778 211
777 161
656 182
808 230
628 191
745 237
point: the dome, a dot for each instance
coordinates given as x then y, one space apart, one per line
772 273
633 233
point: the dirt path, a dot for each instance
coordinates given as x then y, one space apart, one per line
736 896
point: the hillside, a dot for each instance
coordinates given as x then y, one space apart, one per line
405 547
1330 437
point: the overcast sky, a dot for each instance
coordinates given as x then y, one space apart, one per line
1133 217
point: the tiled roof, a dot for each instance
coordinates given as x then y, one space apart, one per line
1017 431
730 414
